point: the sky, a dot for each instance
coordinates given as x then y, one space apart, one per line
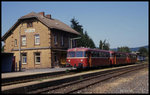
120 23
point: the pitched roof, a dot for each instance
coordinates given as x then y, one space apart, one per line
49 22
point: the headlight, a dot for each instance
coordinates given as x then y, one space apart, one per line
81 60
68 60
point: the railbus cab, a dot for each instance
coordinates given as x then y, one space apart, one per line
86 57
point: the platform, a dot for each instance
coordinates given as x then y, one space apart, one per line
33 72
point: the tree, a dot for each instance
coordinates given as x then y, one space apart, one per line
76 26
143 51
103 45
85 40
2 48
123 49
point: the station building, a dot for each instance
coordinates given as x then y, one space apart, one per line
39 41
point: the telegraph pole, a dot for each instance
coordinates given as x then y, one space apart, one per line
20 49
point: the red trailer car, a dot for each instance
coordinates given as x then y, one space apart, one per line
132 58
86 57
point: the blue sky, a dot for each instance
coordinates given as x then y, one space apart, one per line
120 23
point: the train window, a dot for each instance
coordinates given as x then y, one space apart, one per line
97 54
79 54
107 54
100 55
71 54
125 55
112 54
117 55
104 53
92 53
86 53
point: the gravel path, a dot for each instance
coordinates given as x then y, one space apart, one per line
133 82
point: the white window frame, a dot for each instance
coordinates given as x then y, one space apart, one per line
24 56
37 39
23 40
35 56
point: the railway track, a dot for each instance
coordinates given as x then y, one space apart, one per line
74 86
29 78
73 81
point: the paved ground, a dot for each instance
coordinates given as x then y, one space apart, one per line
32 71
133 82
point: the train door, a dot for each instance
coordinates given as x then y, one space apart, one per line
115 59
128 59
89 59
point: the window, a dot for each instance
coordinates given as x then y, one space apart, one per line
24 58
37 58
29 24
69 42
71 54
55 39
55 57
23 40
86 54
37 39
62 40
15 42
79 54
112 55
73 43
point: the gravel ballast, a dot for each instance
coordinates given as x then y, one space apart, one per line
133 82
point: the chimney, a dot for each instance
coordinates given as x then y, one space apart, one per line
42 13
48 16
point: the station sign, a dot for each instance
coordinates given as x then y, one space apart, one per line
29 30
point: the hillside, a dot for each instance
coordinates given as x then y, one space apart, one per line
132 49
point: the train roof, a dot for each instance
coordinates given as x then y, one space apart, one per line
90 49
87 49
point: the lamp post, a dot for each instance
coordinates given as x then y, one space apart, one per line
20 49
74 39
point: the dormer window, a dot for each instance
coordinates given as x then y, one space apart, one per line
29 24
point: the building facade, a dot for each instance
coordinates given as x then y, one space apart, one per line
39 41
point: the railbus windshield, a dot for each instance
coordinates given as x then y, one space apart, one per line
71 54
76 54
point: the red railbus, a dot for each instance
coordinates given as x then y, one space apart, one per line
86 57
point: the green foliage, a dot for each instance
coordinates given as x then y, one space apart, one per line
103 45
143 51
2 48
85 40
124 49
67 71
